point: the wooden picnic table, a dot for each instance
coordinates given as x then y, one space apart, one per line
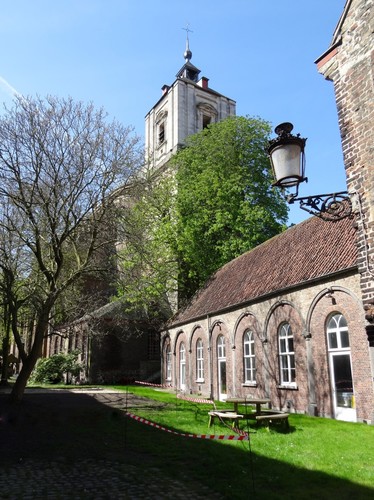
248 401
266 416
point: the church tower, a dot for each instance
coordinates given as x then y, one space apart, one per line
186 106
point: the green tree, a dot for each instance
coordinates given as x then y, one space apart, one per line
148 270
225 202
212 203
63 167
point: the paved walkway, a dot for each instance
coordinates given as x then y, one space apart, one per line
32 479
90 479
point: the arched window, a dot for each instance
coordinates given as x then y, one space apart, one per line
221 358
161 133
337 332
168 363
249 358
286 355
182 366
221 348
200 360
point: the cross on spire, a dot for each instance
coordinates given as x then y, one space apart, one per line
187 53
187 29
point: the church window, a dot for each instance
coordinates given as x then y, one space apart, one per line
161 133
206 121
249 358
168 363
200 360
337 332
206 114
182 367
286 355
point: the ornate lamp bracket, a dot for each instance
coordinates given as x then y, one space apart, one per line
329 207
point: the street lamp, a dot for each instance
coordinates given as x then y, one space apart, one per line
287 159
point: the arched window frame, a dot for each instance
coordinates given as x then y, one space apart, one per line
168 362
199 361
182 366
337 332
249 358
286 352
221 347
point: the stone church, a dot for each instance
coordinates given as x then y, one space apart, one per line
113 346
293 319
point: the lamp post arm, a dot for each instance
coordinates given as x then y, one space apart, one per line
329 207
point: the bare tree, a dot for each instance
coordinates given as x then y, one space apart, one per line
63 166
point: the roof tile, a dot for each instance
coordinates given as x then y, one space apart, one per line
307 251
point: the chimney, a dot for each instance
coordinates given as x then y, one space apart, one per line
204 82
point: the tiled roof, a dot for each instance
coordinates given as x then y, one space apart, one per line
307 251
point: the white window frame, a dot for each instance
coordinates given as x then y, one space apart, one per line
182 366
221 347
199 361
249 358
287 366
337 333
168 363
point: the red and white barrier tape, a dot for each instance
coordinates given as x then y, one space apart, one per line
195 400
196 436
165 386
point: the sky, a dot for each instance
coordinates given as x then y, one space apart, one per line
118 54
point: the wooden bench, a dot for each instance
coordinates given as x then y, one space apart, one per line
224 415
270 417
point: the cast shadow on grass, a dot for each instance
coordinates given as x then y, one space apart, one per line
73 427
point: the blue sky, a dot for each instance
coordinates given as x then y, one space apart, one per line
119 53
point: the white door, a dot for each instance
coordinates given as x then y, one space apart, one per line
221 358
342 386
342 391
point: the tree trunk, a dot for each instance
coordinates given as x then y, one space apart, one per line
22 379
4 368
29 363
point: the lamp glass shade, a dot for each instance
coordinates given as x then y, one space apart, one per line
287 164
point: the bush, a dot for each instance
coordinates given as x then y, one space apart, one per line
52 370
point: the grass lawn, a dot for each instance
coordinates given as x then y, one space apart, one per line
316 458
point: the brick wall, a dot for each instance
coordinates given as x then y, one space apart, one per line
249 322
343 302
200 387
349 64
220 328
307 310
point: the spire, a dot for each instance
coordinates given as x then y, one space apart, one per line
188 70
187 53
